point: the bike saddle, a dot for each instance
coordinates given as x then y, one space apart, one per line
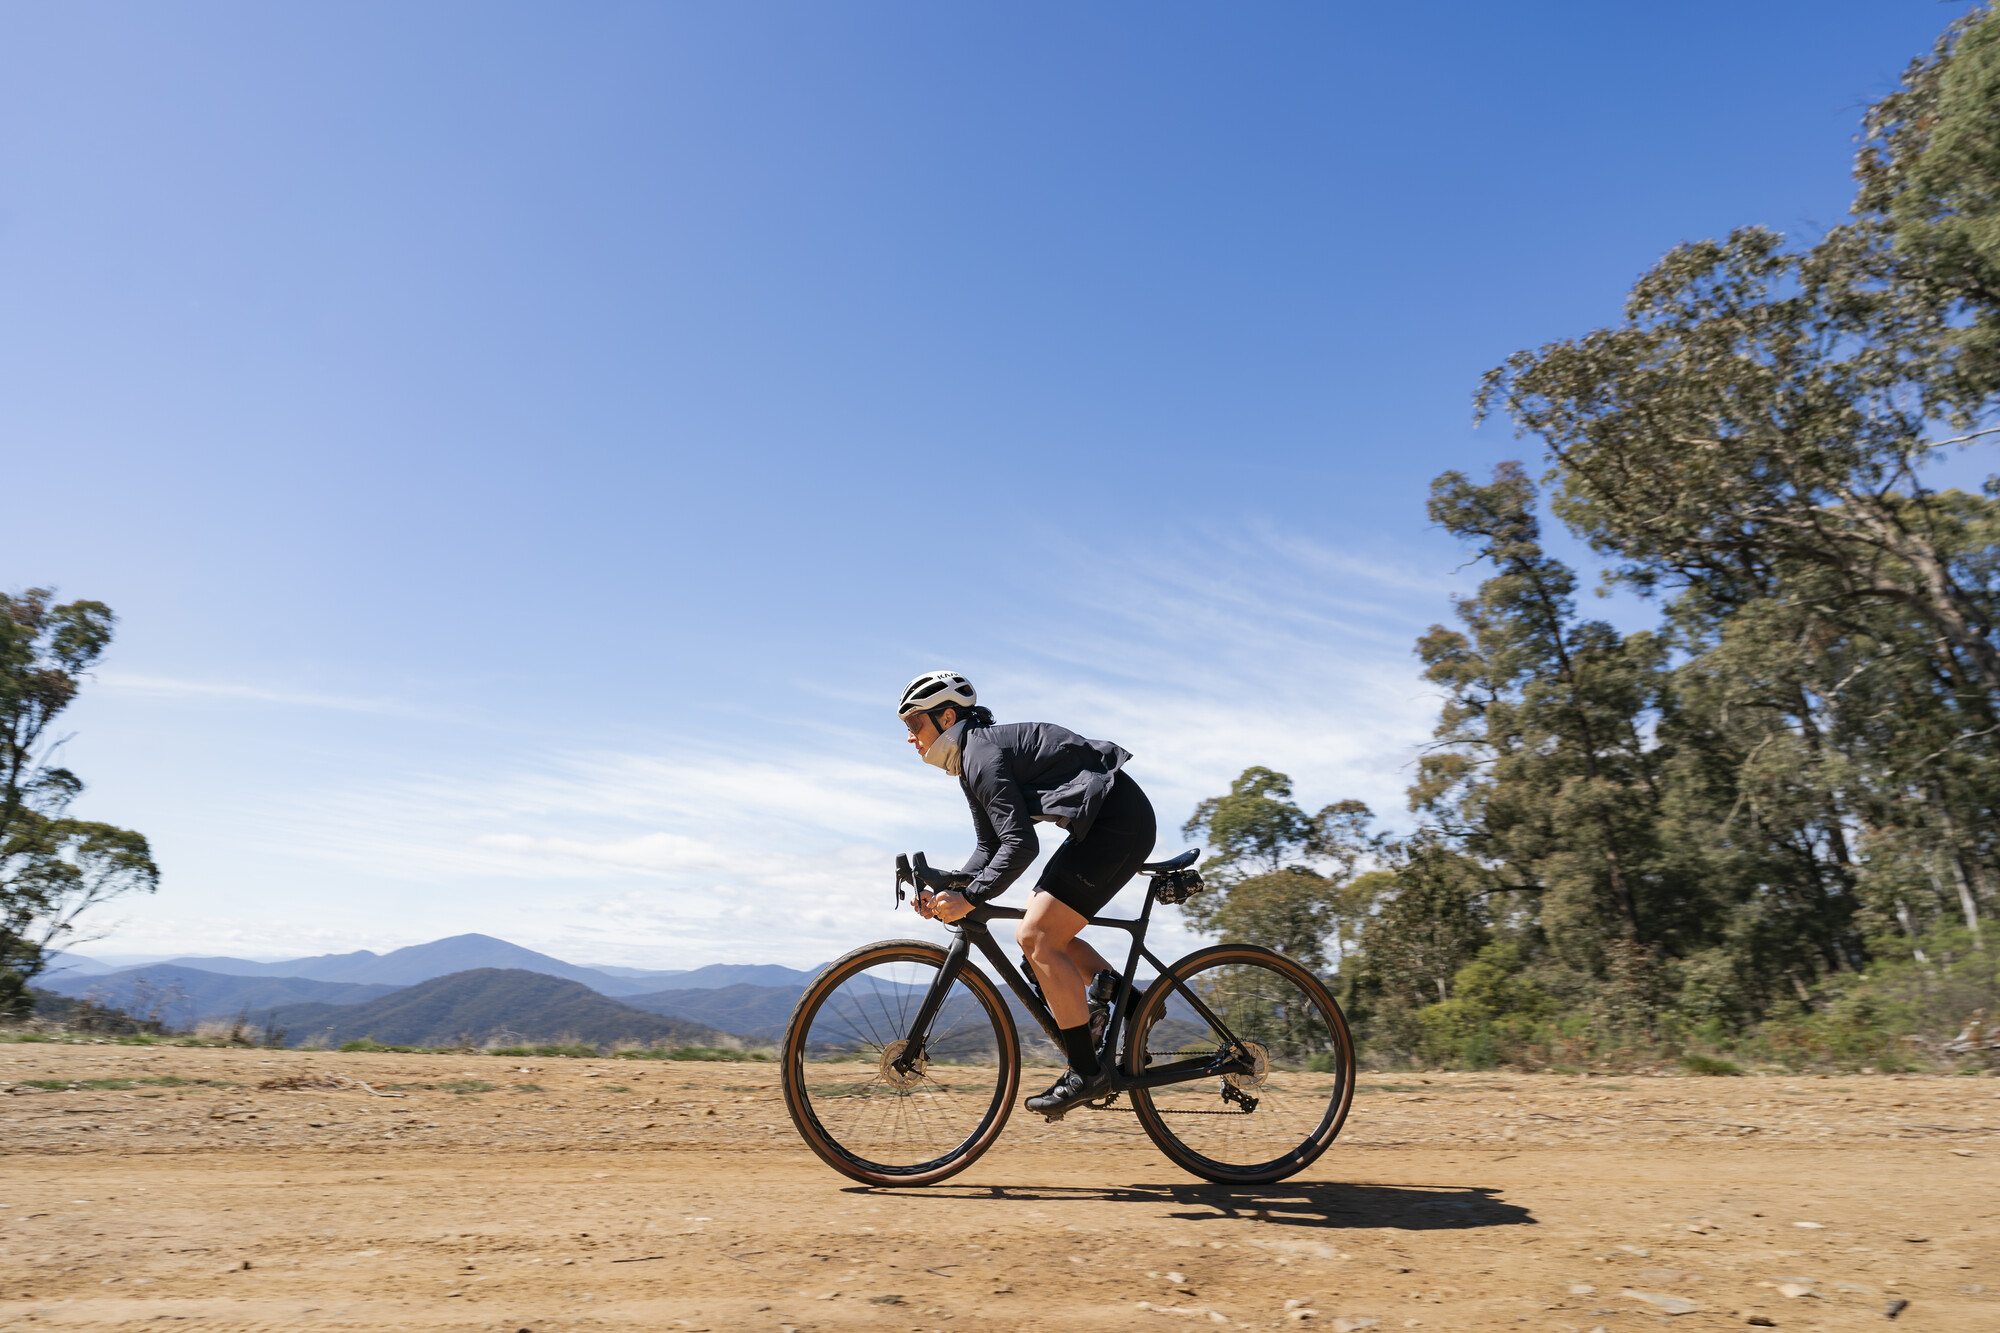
1181 862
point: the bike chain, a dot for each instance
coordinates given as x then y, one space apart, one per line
1157 1110
1107 1105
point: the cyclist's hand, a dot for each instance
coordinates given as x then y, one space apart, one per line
947 907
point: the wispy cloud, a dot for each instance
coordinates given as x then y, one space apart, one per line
1201 659
168 687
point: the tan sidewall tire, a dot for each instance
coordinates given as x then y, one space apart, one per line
1142 1101
1007 1082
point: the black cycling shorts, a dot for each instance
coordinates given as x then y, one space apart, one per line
1085 874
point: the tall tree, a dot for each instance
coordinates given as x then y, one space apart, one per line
1929 173
53 867
1278 876
1544 764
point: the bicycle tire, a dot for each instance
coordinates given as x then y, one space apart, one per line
1293 1131
855 1145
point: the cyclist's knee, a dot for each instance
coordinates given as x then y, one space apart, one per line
1032 939
1037 941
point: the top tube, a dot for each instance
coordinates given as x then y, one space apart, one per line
988 912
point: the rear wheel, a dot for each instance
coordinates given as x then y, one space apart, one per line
1248 1128
871 1114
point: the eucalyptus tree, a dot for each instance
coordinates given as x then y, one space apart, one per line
1546 763
53 867
1278 876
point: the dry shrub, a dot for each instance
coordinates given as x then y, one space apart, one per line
294 1082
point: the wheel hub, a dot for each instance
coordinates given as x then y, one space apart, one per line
896 1077
1260 1062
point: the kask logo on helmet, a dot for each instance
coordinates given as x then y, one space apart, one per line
936 689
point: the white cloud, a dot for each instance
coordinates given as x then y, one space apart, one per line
168 687
1200 659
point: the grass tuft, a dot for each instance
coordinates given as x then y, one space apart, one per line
716 1053
575 1051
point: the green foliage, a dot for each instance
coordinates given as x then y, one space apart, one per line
464 1086
121 1084
1768 830
1292 910
53 868
721 1053
1258 828
370 1044
1930 179
1260 891
572 1051
1431 919
1494 1014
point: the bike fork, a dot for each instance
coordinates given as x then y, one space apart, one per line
918 1036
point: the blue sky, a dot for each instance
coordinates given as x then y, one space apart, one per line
529 445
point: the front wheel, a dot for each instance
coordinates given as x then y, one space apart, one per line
869 1111
1245 1128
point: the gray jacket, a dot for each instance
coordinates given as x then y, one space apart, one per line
1016 773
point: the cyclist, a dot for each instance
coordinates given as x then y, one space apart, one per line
1014 776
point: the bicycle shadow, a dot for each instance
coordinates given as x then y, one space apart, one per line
1308 1204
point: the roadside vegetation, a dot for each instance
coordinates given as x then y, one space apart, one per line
1764 831
54 867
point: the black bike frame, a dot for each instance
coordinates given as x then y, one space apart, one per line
972 934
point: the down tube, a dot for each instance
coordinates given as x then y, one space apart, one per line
1029 1000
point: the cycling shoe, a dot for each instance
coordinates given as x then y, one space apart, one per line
1069 1090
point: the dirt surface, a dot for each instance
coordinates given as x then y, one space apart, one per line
607 1194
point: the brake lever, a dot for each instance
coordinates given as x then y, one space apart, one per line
937 881
904 875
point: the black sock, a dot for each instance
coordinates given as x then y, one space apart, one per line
1076 1045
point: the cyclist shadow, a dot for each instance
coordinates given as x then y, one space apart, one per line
1304 1204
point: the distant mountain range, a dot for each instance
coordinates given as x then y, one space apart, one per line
747 1010
198 989
188 995
485 1006
475 989
421 962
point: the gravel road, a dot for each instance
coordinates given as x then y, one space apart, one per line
555 1195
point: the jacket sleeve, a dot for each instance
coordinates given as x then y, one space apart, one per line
982 829
1006 831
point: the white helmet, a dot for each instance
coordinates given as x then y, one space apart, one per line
936 689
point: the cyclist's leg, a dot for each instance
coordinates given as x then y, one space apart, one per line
1088 960
1045 935
1082 876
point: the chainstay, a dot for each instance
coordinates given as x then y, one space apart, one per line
1158 1110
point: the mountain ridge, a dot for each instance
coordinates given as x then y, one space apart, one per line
486 1005
189 995
417 963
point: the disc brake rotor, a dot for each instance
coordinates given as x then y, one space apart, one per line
1260 1062
900 1078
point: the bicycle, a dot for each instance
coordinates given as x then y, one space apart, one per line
901 1060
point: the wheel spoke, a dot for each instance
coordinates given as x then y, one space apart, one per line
861 1111
1258 1125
